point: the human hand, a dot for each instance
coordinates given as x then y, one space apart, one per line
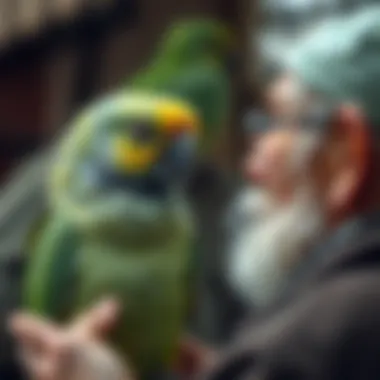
195 357
75 352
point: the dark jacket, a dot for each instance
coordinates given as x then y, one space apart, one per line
325 328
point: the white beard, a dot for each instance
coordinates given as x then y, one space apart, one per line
270 245
271 241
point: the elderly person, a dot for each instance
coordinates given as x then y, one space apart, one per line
312 263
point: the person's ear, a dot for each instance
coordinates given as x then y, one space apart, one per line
351 155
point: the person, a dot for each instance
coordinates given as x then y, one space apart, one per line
312 263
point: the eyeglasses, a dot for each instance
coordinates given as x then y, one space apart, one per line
316 118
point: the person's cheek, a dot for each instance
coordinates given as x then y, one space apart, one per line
264 162
254 167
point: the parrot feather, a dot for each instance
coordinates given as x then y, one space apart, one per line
56 267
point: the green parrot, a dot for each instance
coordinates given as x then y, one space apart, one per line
192 62
119 224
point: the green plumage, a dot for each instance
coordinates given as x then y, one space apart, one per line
68 274
118 225
101 240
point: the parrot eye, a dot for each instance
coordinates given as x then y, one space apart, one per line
143 133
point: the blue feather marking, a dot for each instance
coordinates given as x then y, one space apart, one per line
98 175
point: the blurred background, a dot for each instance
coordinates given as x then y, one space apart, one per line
57 55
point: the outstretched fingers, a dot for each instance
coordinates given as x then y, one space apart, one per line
97 322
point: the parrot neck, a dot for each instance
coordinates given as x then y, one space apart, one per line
127 217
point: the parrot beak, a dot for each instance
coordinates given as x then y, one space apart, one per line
182 128
182 156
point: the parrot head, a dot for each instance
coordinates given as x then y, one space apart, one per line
122 163
193 40
139 143
152 146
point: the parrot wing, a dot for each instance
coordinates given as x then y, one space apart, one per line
35 232
51 270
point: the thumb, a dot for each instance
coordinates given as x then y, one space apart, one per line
97 322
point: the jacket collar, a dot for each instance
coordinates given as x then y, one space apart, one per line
349 246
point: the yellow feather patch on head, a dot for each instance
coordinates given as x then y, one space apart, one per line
176 117
172 117
172 114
